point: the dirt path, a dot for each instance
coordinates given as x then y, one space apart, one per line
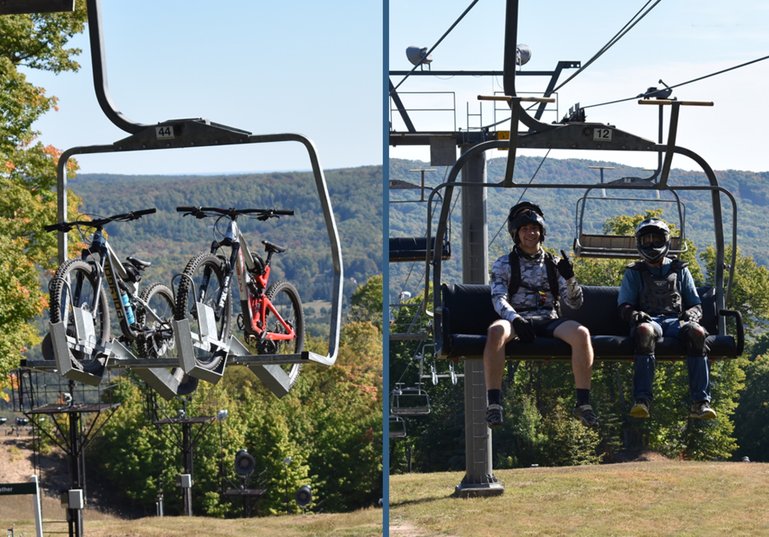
15 454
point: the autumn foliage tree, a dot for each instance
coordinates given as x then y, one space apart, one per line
28 170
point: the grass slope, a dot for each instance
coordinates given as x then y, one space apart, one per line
366 523
638 499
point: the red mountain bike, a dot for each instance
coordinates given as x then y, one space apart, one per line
271 314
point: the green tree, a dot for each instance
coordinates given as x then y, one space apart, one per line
749 290
366 302
27 169
752 415
325 433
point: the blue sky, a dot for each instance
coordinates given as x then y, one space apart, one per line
676 42
313 68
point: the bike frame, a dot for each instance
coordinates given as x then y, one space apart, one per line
254 305
110 267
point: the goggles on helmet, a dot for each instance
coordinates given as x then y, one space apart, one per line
654 240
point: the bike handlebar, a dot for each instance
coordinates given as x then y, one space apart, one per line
261 214
98 223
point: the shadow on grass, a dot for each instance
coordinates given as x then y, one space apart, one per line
419 501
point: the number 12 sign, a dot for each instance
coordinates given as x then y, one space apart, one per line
602 134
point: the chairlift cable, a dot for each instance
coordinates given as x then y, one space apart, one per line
722 71
408 276
504 224
465 12
635 19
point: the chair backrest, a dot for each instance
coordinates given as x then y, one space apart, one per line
467 308
414 248
598 312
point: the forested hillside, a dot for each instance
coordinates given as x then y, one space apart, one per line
750 190
168 239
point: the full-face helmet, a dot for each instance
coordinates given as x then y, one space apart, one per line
524 213
652 239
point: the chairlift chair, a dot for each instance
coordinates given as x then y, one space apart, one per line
397 427
194 133
404 249
409 401
622 246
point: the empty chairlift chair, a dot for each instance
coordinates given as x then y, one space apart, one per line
409 401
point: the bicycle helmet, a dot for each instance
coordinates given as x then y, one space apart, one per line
652 239
524 213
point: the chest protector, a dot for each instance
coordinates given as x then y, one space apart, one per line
660 295
515 277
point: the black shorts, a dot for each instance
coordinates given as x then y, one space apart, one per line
546 327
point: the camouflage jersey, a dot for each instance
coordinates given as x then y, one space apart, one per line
533 298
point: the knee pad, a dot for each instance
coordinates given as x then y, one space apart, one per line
694 337
645 339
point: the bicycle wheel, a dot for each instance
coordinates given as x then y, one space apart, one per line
203 282
285 298
157 339
74 295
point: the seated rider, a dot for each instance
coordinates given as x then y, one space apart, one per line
526 286
658 298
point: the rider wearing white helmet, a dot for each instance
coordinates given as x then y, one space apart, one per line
658 298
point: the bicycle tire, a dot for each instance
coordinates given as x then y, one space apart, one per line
285 298
160 299
204 277
74 285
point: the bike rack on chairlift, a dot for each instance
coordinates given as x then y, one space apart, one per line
622 246
187 133
413 249
433 374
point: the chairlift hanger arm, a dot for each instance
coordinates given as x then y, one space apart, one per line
515 110
99 76
167 132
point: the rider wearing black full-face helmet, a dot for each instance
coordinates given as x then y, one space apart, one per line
658 298
522 214
526 287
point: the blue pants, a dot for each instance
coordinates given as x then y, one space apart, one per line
643 375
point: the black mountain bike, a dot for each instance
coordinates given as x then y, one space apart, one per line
78 298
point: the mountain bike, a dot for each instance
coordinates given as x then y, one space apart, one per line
78 298
271 313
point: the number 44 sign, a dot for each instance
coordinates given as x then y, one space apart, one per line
164 132
602 134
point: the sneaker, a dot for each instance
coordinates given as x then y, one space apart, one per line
585 414
640 409
494 415
702 411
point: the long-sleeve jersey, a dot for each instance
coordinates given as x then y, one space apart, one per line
533 298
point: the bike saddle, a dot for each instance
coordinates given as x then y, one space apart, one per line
138 263
273 248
